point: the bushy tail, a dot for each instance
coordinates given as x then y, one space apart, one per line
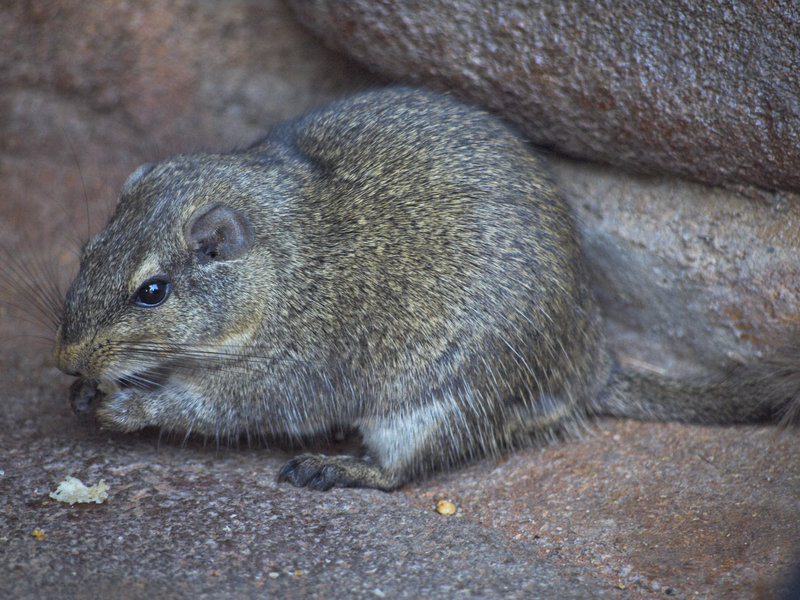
768 391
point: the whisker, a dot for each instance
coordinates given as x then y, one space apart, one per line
29 336
190 356
30 287
87 213
138 380
38 321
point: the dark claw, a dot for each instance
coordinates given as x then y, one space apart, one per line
324 472
308 471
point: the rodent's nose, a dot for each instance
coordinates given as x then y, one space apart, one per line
65 366
66 358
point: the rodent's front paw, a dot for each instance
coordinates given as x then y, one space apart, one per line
320 472
127 409
84 396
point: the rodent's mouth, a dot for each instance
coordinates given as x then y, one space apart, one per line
88 395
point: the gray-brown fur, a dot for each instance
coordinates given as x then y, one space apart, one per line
397 263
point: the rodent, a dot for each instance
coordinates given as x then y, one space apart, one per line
397 263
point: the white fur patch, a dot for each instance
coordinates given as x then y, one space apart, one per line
397 440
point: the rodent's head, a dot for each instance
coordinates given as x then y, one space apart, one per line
170 271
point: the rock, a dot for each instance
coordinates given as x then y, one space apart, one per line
692 278
90 90
710 90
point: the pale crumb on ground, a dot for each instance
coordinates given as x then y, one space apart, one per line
445 507
73 490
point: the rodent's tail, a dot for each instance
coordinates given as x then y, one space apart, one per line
768 391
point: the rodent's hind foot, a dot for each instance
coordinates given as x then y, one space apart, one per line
320 472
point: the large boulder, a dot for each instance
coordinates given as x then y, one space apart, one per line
710 90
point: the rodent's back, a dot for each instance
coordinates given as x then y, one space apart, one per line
442 252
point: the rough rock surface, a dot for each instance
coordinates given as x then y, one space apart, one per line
691 277
88 90
710 90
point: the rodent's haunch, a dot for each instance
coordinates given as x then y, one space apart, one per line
395 263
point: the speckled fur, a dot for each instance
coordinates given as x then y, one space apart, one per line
412 274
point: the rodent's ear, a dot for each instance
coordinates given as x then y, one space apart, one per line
219 232
136 176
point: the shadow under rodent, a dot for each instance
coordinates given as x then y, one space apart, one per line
396 263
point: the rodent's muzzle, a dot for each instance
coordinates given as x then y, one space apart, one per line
65 361
68 357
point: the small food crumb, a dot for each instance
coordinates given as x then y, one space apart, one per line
38 534
73 490
445 507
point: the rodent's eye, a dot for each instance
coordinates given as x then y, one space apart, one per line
152 292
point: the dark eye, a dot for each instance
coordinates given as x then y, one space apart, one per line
152 292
